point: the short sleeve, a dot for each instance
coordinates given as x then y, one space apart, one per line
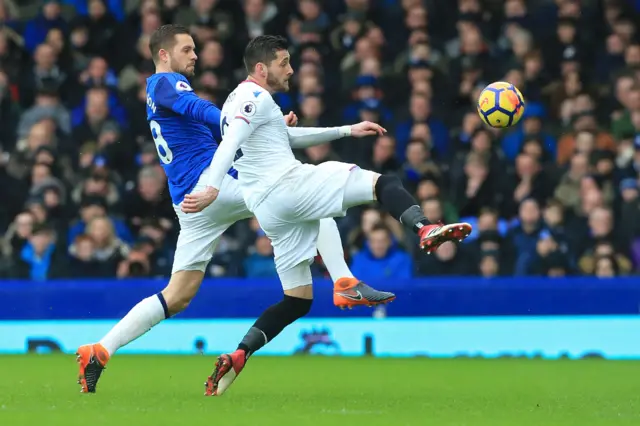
254 108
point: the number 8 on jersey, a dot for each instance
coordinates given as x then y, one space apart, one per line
164 152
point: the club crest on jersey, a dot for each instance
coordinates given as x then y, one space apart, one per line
248 109
181 86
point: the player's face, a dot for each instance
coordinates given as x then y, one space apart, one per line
183 56
279 72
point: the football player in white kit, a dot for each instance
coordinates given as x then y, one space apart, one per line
289 198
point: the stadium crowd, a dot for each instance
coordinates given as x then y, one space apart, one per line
85 196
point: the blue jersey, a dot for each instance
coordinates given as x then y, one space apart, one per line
185 129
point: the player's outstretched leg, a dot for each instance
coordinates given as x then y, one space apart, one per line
295 304
388 190
348 291
92 358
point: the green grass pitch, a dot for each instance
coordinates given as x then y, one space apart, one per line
300 391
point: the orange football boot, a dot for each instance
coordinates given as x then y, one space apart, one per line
92 359
350 292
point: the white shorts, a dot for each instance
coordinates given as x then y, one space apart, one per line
200 232
290 214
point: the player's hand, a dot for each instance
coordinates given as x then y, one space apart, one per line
367 128
194 203
291 119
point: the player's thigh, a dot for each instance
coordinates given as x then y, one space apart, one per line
197 240
200 232
359 188
229 207
312 192
293 243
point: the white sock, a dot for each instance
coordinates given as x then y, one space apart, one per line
330 248
140 319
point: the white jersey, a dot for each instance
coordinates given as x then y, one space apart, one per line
266 155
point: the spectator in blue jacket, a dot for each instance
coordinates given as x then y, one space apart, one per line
260 264
36 30
381 258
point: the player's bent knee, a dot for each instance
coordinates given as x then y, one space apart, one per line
297 281
302 292
385 184
182 288
359 188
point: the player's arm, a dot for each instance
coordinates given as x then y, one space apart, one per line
303 137
238 131
180 98
251 114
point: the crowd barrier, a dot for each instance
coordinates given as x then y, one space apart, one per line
244 298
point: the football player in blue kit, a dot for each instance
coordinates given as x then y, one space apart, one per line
185 129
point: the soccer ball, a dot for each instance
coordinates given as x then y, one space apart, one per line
500 105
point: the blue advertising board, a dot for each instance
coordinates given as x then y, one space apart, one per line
243 298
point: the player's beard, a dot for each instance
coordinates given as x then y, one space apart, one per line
276 85
186 71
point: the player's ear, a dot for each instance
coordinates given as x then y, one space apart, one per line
162 54
262 69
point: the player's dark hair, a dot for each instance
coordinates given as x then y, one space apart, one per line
165 38
263 49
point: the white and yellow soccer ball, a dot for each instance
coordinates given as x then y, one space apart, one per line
500 105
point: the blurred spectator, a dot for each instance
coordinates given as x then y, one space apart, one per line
260 263
36 30
150 199
606 267
83 262
93 207
449 260
109 249
39 259
524 236
381 258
